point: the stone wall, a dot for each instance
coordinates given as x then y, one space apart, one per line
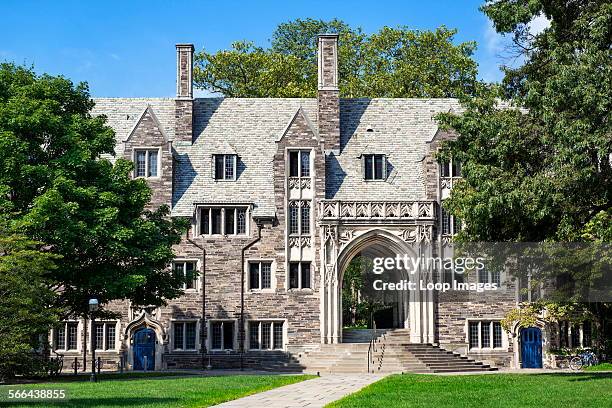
149 134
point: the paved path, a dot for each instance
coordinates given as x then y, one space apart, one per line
317 392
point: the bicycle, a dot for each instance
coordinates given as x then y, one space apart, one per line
587 358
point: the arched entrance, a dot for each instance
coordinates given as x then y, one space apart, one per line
531 347
146 338
143 341
362 305
403 309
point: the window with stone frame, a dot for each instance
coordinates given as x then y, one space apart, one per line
299 275
146 163
574 335
223 220
374 167
222 334
266 335
225 166
485 275
188 271
485 334
299 163
299 217
105 333
184 334
450 274
450 168
65 336
260 275
449 224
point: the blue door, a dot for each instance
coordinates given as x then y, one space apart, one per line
531 347
144 349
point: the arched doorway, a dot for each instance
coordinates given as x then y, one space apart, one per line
366 308
531 347
411 309
143 341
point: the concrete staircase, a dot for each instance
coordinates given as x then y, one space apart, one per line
391 353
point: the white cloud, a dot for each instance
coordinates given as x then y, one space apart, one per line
493 40
114 56
538 24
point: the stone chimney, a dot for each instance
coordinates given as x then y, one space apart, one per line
184 94
328 93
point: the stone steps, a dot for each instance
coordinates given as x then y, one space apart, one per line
392 353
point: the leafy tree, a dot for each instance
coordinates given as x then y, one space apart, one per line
394 62
352 285
57 190
25 300
542 172
359 301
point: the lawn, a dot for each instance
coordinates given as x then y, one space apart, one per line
599 367
482 391
188 391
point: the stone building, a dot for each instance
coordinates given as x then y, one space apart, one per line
282 194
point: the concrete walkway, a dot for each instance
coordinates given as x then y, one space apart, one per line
317 392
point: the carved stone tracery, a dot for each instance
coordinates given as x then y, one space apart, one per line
351 210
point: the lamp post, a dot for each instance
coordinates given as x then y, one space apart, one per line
93 308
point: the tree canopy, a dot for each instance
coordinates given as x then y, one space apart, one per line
57 190
539 168
393 62
26 301
542 172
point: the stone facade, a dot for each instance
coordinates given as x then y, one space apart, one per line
348 214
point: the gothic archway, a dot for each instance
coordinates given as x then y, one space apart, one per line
145 321
340 245
375 308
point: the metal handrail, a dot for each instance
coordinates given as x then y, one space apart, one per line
372 345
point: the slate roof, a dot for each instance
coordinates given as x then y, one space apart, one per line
400 129
250 127
123 114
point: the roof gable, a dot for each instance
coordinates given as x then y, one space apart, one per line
299 114
148 111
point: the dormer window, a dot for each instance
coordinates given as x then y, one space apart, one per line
374 167
299 163
146 162
225 166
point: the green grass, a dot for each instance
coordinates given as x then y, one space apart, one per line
599 367
117 376
189 391
482 391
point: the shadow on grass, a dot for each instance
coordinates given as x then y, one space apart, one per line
96 402
575 375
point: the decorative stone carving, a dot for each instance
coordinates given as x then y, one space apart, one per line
294 182
409 235
300 242
329 233
346 237
359 210
446 182
363 210
424 233
425 210
299 182
329 272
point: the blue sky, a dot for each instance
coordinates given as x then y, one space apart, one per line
126 48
